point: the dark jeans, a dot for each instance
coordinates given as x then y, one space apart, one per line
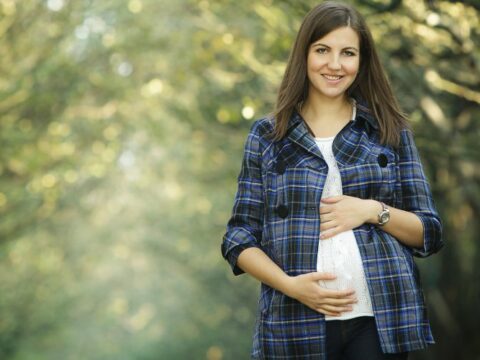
356 339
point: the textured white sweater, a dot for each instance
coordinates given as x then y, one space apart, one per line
340 254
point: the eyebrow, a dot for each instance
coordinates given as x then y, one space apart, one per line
345 48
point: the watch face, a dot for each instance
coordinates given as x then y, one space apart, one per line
384 217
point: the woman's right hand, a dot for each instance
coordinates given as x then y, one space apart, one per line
306 289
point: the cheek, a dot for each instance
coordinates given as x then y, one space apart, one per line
352 66
314 63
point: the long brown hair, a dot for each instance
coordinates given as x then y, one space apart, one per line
371 83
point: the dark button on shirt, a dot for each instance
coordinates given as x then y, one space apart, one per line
282 211
382 160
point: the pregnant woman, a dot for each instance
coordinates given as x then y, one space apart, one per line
332 205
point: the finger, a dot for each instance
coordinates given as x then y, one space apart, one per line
325 312
332 199
325 208
332 231
337 294
337 309
326 218
328 226
322 276
325 236
330 311
346 301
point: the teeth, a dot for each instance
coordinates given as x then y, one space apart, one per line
330 77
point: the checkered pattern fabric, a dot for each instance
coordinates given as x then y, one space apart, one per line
276 208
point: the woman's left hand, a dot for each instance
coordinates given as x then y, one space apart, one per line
342 213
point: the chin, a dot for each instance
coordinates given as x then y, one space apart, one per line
333 95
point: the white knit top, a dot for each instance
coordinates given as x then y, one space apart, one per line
340 254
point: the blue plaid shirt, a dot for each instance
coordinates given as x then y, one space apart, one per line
276 208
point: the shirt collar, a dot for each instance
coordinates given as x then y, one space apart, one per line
363 113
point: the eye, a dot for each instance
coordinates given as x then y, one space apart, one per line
349 53
321 50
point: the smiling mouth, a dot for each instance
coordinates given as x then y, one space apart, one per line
332 77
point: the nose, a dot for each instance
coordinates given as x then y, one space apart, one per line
334 62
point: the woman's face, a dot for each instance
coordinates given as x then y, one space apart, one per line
333 62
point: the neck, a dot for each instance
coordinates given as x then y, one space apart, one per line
319 109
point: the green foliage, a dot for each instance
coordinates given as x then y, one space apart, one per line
121 129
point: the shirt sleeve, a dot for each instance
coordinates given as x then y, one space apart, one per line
417 196
244 229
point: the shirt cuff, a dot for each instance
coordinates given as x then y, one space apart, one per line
232 256
432 235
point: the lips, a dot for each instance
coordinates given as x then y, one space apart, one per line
332 77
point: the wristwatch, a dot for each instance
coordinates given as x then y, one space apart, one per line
384 215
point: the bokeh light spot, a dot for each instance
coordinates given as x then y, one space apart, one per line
125 69
135 6
248 112
55 5
8 7
214 353
223 115
433 19
152 88
49 181
228 39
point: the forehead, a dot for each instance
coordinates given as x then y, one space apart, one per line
341 37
